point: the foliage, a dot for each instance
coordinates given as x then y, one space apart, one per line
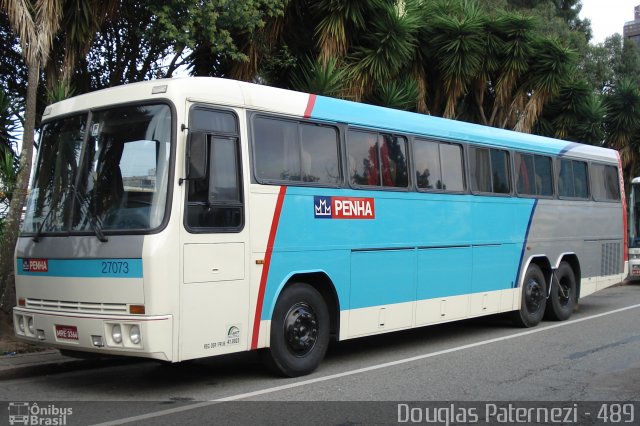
8 161
576 114
622 124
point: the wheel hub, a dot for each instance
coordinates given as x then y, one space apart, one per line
301 329
533 295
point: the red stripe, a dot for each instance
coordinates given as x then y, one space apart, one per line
265 267
624 209
310 104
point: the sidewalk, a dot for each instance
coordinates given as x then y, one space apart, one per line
47 362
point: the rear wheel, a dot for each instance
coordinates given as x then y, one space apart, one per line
562 299
299 331
534 298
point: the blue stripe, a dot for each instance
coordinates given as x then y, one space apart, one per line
524 244
569 147
401 121
86 268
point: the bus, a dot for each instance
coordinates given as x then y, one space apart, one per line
634 229
186 218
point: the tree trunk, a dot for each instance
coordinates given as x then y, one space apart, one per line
12 226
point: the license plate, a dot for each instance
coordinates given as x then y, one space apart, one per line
68 332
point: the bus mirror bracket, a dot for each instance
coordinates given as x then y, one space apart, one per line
197 163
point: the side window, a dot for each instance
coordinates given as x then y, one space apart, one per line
544 175
572 179
534 175
289 151
490 170
215 203
604 183
376 159
438 166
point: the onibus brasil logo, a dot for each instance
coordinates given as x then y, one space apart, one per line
27 413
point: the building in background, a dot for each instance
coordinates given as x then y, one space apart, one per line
632 28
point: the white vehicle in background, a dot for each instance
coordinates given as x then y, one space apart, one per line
634 229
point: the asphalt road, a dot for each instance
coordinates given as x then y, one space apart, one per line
595 356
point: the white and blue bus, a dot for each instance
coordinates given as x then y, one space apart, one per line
186 218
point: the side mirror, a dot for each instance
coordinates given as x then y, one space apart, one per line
197 156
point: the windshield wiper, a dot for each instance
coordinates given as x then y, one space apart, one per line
36 237
94 221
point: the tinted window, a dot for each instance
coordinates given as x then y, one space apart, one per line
452 166
544 175
534 175
215 202
277 150
319 154
438 166
295 152
525 174
427 161
490 170
377 159
217 121
605 183
480 170
500 171
572 179
393 159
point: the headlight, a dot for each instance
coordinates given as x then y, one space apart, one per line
21 323
32 329
116 333
134 334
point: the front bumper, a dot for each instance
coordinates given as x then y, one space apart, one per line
94 333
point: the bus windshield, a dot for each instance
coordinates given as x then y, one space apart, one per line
106 170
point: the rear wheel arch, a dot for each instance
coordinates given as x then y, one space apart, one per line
543 263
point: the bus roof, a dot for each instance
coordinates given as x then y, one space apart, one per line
264 98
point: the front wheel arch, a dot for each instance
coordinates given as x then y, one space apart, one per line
299 332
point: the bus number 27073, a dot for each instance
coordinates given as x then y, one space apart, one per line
115 267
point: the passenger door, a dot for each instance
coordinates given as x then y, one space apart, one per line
215 291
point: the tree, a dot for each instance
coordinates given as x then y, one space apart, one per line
576 114
622 124
36 24
8 160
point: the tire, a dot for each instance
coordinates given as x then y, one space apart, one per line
299 332
562 299
534 298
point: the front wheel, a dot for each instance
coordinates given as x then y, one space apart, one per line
299 331
534 298
563 294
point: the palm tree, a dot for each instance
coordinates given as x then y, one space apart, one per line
79 23
549 70
622 124
8 163
36 23
453 40
576 114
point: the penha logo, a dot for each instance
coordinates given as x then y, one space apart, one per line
343 208
35 265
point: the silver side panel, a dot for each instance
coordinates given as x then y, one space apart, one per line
593 231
